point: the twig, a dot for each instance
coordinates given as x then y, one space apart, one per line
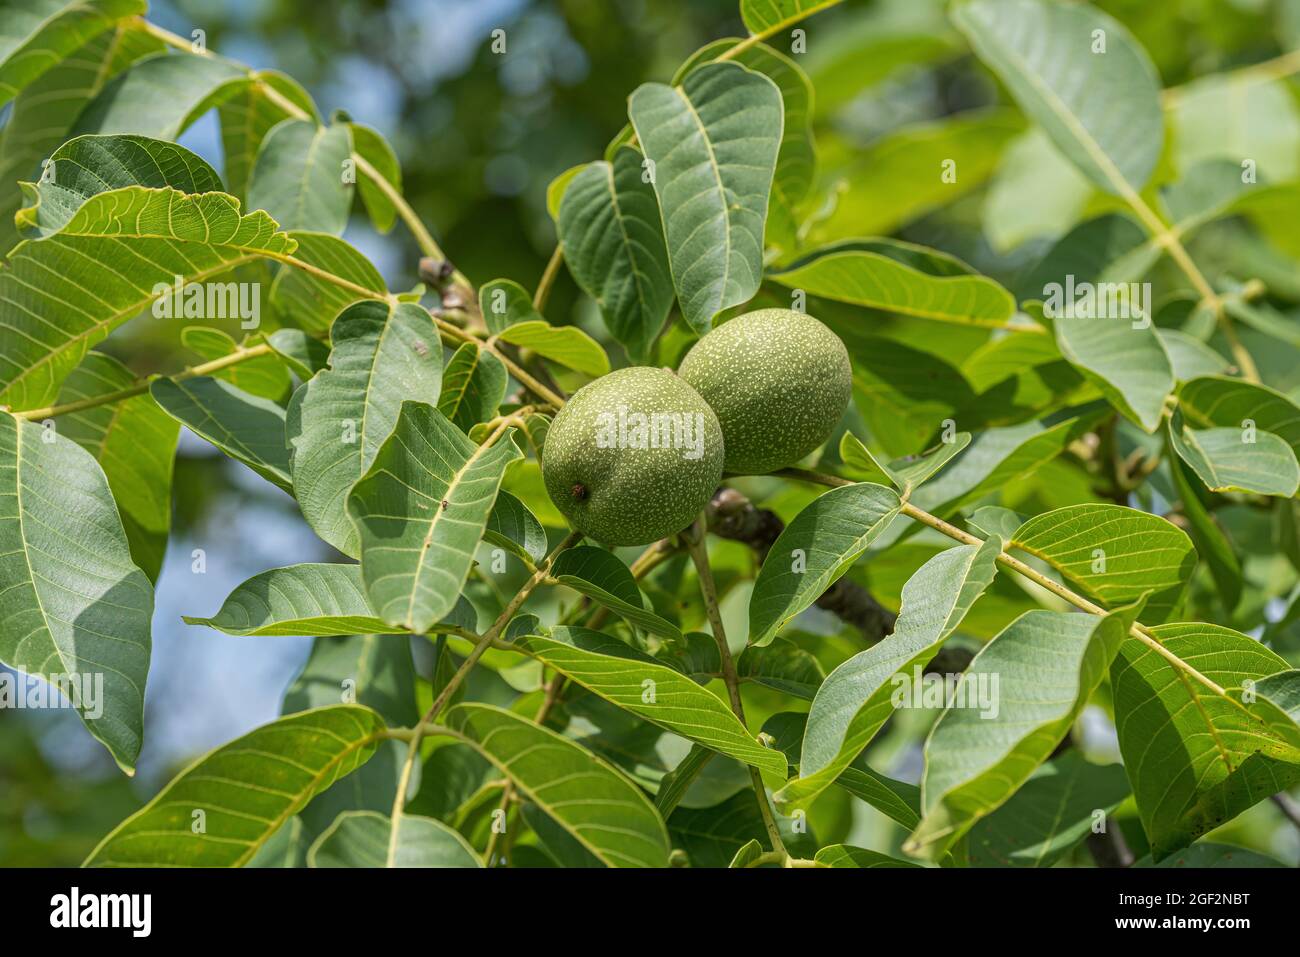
733 516
696 544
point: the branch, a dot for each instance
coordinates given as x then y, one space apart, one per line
1109 849
1138 631
695 542
732 516
142 385
485 642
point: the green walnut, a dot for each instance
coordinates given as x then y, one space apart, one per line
779 382
633 457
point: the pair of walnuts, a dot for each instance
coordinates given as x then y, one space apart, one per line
636 455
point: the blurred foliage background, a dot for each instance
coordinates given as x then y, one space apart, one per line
479 137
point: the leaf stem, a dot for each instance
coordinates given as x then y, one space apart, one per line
548 278
696 543
524 378
485 642
1278 68
140 387
776 28
1138 631
423 238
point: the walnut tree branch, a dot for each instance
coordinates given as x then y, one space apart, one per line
731 515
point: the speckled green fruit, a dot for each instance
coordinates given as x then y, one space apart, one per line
633 457
779 382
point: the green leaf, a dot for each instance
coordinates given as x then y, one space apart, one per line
557 188
1265 126
128 245
74 607
716 836
264 376
1237 460
304 354
513 526
376 671
897 178
1264 318
161 96
1218 401
567 345
814 551
311 303
857 697
770 16
1113 554
1036 193
1196 759
371 146
473 386
1054 810
247 428
1126 362
904 393
1037 675
88 165
383 353
845 855
42 116
298 176
134 442
747 855
1100 105
1190 357
503 302
602 577
589 798
999 457
897 800
782 666
35 35
1276 700
245 790
1110 248
674 785
714 141
1211 543
638 683
420 511
796 162
251 112
901 278
1206 855
906 473
614 247
309 599
368 839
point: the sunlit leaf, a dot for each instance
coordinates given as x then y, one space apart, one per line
714 141
383 353
420 511
74 607
591 800
858 696
245 790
